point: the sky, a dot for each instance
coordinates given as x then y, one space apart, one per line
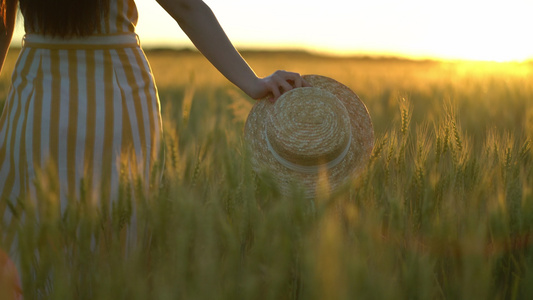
452 29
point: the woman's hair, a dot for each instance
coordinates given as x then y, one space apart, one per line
4 12
64 18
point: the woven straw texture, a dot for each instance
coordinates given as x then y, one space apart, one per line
311 134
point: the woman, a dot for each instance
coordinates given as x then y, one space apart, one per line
83 98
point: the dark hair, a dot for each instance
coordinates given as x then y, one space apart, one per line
64 18
3 12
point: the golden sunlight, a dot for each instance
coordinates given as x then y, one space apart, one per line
456 29
486 30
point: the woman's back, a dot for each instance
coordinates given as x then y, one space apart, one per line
121 17
80 107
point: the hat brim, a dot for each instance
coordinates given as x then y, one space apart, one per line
362 141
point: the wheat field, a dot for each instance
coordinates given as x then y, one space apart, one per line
443 210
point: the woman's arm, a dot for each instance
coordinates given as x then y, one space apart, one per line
8 14
200 24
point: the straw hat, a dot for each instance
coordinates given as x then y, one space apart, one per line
308 130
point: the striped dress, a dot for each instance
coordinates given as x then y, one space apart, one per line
85 110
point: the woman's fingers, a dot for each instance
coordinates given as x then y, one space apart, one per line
282 81
274 89
274 85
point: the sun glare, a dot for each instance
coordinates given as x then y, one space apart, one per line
487 31
466 30
512 50
456 29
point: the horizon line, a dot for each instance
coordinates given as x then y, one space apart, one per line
154 47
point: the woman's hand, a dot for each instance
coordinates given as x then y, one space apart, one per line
275 84
201 26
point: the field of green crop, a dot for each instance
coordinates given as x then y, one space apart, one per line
443 210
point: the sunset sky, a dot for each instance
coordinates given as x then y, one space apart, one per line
453 29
